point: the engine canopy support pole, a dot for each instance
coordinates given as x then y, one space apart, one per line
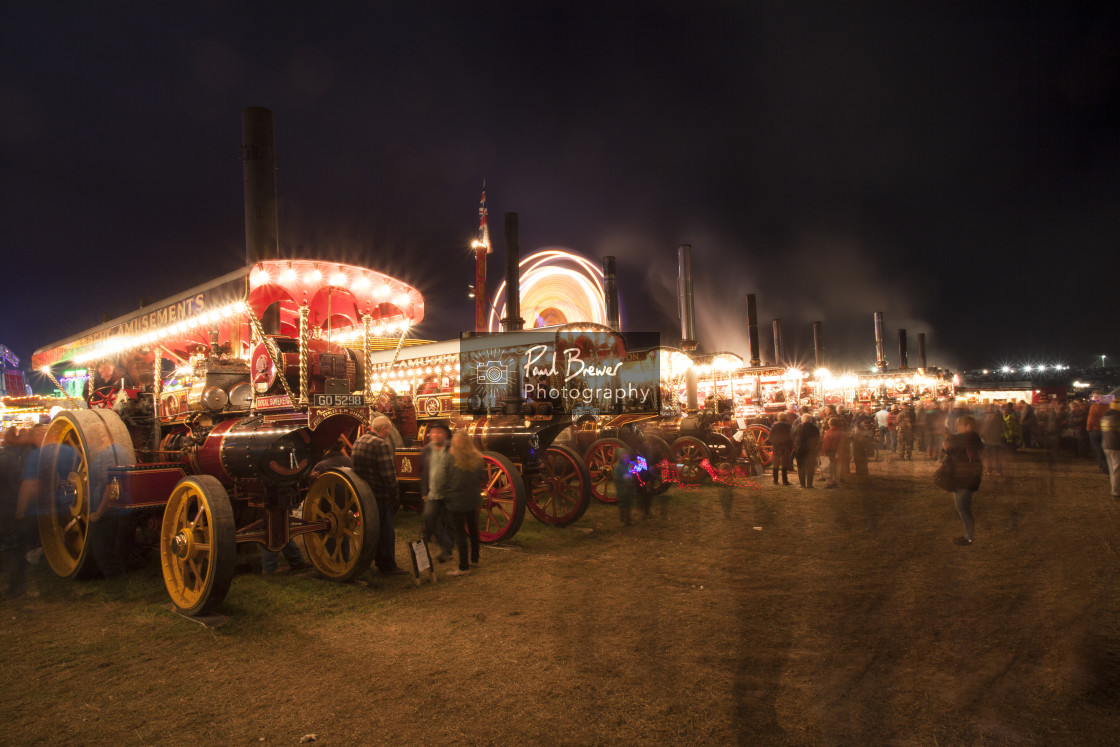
157 387
304 313
367 354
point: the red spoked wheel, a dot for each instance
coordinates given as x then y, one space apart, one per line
760 435
723 450
690 453
503 499
103 398
600 459
563 491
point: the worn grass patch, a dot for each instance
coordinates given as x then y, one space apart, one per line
809 617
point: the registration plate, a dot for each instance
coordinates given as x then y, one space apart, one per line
339 400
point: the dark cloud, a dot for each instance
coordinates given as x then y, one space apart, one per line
954 166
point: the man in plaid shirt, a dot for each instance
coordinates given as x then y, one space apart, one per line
373 461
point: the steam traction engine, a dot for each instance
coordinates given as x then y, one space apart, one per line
514 392
202 427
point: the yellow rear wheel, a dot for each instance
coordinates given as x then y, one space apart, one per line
197 547
78 449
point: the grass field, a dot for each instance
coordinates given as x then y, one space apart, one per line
830 617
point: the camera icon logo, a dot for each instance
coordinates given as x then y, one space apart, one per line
491 372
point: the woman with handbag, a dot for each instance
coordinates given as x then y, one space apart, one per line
963 450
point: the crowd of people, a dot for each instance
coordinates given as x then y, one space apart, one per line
975 440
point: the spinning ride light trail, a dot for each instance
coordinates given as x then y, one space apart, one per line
557 287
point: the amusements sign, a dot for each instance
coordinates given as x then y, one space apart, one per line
573 367
167 312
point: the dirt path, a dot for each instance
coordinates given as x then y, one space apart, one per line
827 617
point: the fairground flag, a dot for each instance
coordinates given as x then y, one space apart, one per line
483 225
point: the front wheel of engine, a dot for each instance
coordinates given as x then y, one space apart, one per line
347 503
197 548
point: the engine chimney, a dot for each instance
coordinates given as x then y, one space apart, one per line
779 345
686 310
818 344
258 153
610 294
513 320
880 354
902 363
922 350
685 306
752 330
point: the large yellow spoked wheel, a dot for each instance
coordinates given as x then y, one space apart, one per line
197 547
78 449
346 502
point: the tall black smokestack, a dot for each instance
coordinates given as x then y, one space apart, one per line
779 345
818 344
258 153
922 350
685 307
902 363
687 313
752 330
880 354
513 320
610 294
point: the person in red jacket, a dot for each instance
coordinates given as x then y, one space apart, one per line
1093 426
833 447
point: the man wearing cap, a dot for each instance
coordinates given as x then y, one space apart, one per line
433 471
1110 442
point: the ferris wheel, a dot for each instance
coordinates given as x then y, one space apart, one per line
557 287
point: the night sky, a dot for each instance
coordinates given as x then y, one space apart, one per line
953 165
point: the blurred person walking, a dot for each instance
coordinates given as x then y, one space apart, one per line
1012 430
463 497
27 506
991 434
833 447
1110 444
881 423
964 451
1093 427
11 530
905 427
624 485
434 458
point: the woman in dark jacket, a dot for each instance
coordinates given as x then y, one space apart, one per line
965 449
462 496
807 447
